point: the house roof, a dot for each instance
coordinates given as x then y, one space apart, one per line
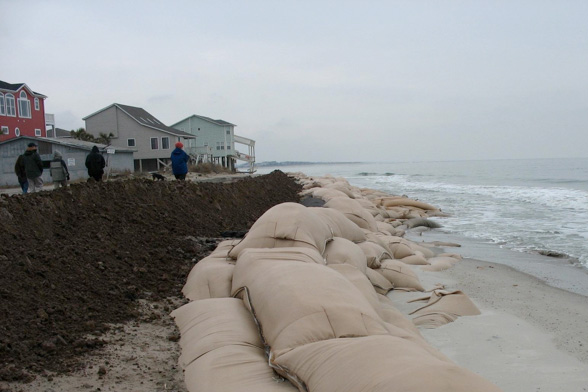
13 87
217 122
146 119
70 142
59 132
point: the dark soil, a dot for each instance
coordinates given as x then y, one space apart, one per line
74 260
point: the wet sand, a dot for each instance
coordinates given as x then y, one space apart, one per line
531 336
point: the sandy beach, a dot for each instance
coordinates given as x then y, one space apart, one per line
529 337
531 334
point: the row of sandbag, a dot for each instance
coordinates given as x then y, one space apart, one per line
317 316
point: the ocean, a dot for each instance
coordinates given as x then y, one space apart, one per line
535 206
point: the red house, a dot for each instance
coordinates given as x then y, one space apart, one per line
22 111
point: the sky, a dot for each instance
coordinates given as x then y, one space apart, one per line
320 81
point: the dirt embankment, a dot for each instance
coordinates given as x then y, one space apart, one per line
75 260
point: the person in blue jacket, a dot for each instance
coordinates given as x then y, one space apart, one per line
179 160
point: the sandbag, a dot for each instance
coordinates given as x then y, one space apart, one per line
400 275
343 251
286 225
234 368
395 364
327 194
440 263
353 211
385 228
339 224
299 303
210 278
443 307
428 253
374 253
209 324
405 201
305 255
380 283
223 248
342 186
417 259
390 314
361 282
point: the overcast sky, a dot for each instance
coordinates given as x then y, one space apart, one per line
320 80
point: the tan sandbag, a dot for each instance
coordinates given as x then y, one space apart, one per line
415 260
397 212
395 364
374 253
327 194
442 307
440 263
428 253
378 238
392 315
341 187
234 368
209 324
380 283
353 211
286 225
305 255
360 281
223 248
400 275
405 201
400 250
343 251
210 278
299 303
385 228
339 224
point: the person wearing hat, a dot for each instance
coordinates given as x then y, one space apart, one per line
95 164
179 160
58 170
33 166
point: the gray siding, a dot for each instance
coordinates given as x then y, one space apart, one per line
208 134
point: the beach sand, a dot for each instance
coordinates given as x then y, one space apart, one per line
530 336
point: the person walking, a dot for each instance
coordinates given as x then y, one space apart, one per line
33 166
21 174
95 164
179 160
58 171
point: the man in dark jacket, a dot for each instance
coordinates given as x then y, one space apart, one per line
20 172
33 167
95 164
179 160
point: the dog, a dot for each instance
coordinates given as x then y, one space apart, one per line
157 177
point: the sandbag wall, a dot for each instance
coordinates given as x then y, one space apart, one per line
299 303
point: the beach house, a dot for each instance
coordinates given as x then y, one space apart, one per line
134 127
215 141
22 111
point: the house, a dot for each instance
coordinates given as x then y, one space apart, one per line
58 133
74 152
135 128
215 141
22 111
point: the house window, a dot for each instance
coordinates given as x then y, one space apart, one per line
16 132
154 143
165 143
24 105
38 132
131 142
5 131
37 106
228 146
228 131
10 105
2 106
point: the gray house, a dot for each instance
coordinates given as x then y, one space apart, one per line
135 128
74 152
215 141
